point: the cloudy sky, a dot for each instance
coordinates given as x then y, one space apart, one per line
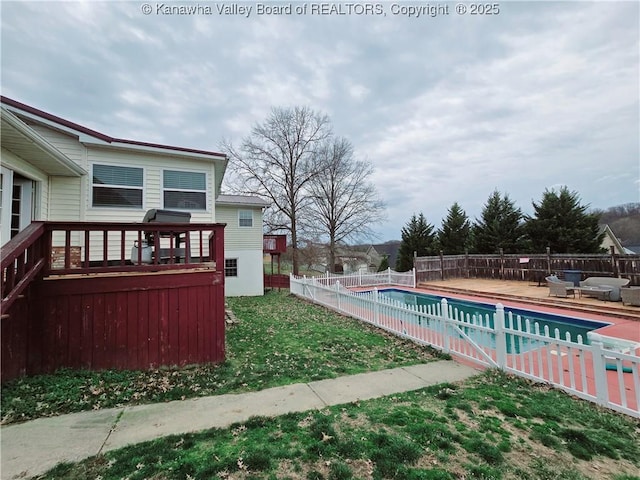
447 107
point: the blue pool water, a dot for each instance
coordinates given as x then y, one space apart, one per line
478 312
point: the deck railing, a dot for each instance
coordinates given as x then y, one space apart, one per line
22 261
59 248
603 371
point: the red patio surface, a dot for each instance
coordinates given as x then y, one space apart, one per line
624 319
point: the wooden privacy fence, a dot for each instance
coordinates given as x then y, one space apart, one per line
605 371
531 268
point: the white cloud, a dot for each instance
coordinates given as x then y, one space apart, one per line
447 108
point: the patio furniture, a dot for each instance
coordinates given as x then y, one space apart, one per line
614 283
630 295
560 288
601 292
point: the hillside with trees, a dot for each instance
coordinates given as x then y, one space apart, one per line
624 220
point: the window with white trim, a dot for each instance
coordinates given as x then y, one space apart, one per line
184 190
245 218
230 267
116 186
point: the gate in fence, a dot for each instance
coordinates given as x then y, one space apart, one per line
602 370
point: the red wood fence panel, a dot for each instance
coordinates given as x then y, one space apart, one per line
123 321
276 281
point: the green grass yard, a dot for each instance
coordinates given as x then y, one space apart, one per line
489 427
278 340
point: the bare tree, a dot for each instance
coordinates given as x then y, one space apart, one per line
277 160
345 204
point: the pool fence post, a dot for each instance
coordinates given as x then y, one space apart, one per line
376 306
389 276
315 284
445 331
600 372
501 339
414 277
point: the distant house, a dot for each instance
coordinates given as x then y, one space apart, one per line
611 240
379 251
351 259
57 170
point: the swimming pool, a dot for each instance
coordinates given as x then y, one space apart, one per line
482 313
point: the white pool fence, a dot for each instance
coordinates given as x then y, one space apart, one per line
600 369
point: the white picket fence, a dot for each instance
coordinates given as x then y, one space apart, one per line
606 371
388 277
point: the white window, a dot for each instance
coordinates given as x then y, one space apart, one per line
230 267
114 186
184 190
245 218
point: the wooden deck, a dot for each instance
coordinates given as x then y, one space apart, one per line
90 303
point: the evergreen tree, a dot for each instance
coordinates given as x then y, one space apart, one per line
500 226
563 224
417 236
384 264
454 235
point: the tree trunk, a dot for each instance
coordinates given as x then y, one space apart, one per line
294 247
332 255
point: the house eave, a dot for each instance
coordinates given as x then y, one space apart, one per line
20 139
249 203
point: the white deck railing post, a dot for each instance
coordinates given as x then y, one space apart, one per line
389 276
337 287
501 338
445 331
600 372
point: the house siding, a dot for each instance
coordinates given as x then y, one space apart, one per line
242 238
66 143
64 196
245 244
153 195
250 279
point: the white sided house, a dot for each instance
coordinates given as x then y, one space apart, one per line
243 263
56 170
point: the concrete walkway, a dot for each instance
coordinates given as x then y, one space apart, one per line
34 447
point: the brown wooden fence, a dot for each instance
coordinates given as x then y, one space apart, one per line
532 268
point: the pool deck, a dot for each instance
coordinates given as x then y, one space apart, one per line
565 367
624 319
